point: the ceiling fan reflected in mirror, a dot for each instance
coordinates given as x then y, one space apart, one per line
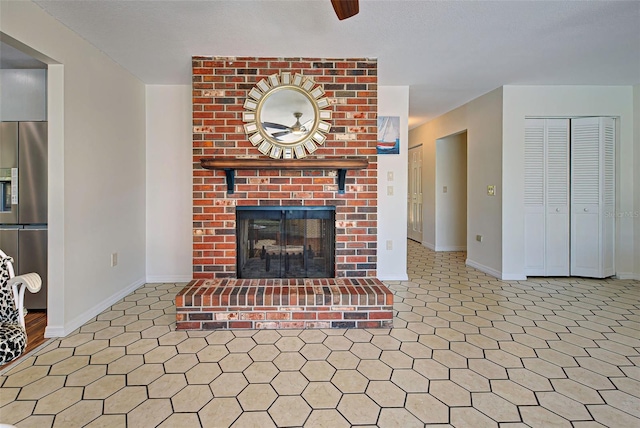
345 8
296 129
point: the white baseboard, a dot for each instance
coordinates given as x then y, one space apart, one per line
53 331
169 278
493 272
513 277
429 245
483 268
394 277
452 248
628 275
80 320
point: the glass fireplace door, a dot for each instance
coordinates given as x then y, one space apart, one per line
285 242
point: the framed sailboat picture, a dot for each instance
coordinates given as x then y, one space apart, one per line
388 135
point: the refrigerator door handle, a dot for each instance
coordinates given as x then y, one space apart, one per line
14 186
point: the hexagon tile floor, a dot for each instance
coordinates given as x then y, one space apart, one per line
466 350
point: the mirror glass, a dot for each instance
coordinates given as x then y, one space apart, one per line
287 115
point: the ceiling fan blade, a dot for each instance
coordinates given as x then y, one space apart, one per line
345 8
280 134
274 125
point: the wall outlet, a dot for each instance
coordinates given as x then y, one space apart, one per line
389 190
491 190
479 238
390 176
444 189
114 259
389 245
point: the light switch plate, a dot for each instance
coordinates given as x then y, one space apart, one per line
444 189
390 176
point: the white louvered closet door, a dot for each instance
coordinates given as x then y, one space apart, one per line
592 197
546 197
557 198
534 218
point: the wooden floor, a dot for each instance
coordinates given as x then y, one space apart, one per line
35 321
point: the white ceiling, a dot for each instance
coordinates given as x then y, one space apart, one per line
447 52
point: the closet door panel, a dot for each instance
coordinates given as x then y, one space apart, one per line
557 197
585 197
585 243
534 195
592 196
557 244
608 138
534 237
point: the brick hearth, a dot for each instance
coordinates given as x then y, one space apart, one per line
210 304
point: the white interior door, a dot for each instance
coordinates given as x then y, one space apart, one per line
592 197
534 207
546 197
414 226
557 198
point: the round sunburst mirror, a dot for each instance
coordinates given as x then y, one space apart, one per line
286 117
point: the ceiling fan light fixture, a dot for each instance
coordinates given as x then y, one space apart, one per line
298 128
345 8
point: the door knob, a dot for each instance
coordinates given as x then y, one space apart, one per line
586 210
557 210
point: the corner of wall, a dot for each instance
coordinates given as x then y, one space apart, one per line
636 180
62 330
392 209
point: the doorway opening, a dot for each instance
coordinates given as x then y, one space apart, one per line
451 193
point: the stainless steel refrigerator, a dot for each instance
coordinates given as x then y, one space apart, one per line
23 201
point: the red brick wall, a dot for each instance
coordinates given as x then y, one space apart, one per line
220 87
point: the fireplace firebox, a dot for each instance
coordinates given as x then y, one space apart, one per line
285 242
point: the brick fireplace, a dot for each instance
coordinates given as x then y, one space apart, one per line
220 87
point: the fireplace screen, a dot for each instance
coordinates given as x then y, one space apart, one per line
285 242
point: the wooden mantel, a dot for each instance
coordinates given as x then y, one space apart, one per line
229 165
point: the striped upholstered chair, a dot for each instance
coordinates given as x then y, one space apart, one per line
13 334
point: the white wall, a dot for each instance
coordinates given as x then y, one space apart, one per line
636 180
392 210
564 101
169 175
23 95
96 169
451 206
482 118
